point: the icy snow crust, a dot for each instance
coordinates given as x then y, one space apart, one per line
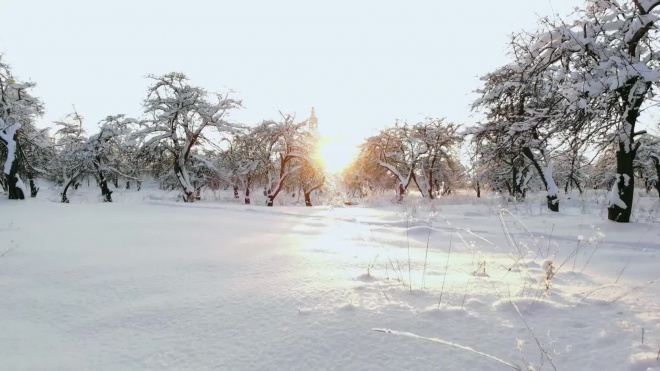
164 285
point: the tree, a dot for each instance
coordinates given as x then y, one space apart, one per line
18 110
524 113
104 149
416 153
437 166
648 161
365 175
69 163
280 143
311 175
606 65
500 164
179 114
569 170
395 150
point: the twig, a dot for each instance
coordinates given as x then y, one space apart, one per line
8 251
550 239
428 240
394 269
383 291
446 269
453 345
624 269
631 291
590 256
596 289
465 292
534 336
408 242
348 274
577 251
401 273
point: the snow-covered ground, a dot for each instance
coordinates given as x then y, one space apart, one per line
150 283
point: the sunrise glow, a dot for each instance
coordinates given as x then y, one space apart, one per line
336 154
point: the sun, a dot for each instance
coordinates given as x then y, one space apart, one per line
336 154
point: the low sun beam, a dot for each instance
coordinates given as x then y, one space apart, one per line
336 155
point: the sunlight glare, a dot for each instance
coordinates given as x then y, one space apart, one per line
336 154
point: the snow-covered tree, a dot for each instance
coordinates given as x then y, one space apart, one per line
104 150
280 144
397 150
499 165
605 65
414 154
70 162
364 175
648 161
18 111
525 114
602 174
438 166
569 169
311 174
179 116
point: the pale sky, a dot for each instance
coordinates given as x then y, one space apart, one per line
362 64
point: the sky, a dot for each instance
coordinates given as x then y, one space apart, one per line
362 64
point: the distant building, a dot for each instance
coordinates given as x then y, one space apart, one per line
313 123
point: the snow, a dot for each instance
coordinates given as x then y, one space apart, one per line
549 178
149 283
614 195
7 135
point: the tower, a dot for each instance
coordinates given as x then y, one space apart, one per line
313 122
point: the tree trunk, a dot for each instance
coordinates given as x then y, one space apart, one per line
103 183
308 199
400 192
15 191
33 188
247 191
236 191
624 187
516 186
271 195
188 193
546 178
577 185
656 162
68 184
478 190
13 181
430 185
128 184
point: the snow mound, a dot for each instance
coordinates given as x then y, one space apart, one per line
445 311
527 305
348 307
304 311
644 362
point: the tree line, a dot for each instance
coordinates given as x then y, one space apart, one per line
184 141
563 112
573 87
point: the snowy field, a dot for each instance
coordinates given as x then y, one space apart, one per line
150 283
